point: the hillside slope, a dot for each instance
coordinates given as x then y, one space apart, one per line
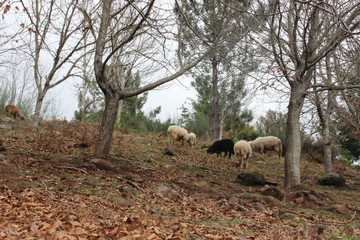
50 189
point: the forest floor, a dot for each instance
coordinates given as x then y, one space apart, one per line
49 189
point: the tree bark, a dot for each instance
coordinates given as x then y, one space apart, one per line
82 103
327 147
324 116
38 106
107 125
215 108
326 119
324 112
118 117
293 135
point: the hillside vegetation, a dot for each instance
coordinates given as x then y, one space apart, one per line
51 187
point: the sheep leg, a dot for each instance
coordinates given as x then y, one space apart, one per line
247 161
262 149
279 150
240 161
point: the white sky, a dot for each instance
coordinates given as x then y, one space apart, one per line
170 97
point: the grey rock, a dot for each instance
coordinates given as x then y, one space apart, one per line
166 191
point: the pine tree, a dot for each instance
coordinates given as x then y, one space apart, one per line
217 79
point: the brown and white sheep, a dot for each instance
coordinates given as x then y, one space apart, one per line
269 143
13 111
176 133
190 139
243 152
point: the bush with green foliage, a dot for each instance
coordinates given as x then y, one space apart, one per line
273 124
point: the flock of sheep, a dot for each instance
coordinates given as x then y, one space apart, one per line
241 149
176 133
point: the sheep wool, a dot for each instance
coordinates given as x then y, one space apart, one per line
243 152
190 139
176 133
269 143
223 145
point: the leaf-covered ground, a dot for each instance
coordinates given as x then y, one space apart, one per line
50 189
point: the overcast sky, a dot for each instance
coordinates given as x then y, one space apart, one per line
170 97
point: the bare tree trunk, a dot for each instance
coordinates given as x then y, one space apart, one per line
37 75
326 119
83 89
221 124
324 109
324 116
82 103
38 106
215 109
107 125
293 136
118 117
121 102
327 146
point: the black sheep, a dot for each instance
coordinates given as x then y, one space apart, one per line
224 145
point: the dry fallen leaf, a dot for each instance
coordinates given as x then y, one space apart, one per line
54 226
61 235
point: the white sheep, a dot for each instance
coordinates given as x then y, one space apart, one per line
269 143
176 133
190 139
243 152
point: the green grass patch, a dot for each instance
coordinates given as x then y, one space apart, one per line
233 224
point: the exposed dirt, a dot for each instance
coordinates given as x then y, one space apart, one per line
50 189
